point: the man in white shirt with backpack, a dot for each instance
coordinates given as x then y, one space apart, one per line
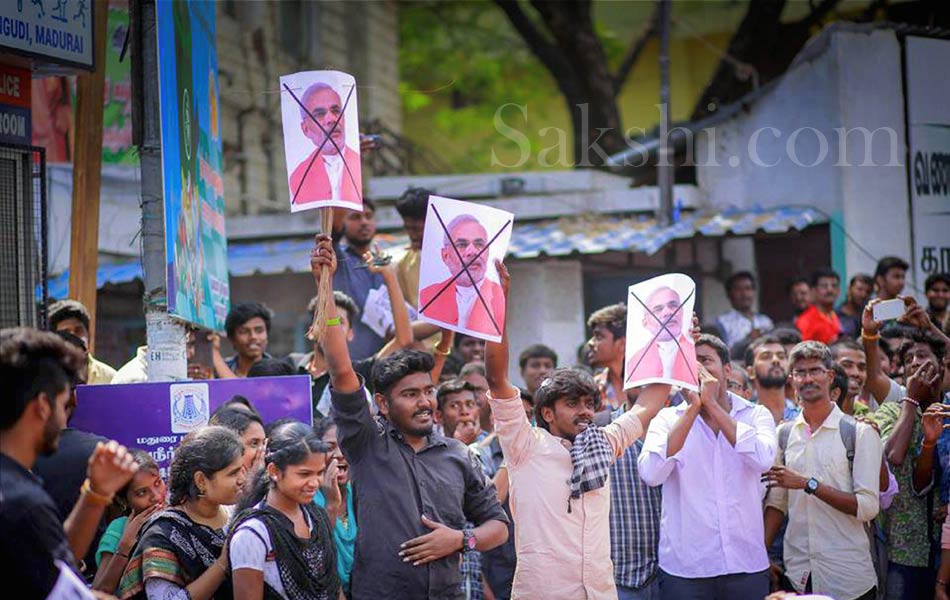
826 479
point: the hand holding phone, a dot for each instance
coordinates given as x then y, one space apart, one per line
888 310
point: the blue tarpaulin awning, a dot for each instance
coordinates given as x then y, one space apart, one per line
588 234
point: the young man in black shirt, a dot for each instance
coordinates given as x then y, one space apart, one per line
39 370
415 489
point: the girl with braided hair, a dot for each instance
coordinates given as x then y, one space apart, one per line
181 553
281 544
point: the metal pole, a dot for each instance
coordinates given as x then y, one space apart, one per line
664 167
165 336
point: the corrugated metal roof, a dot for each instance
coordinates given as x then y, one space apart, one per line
593 234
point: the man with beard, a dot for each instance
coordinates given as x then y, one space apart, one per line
559 471
470 300
828 491
937 289
766 363
668 354
39 370
889 277
709 454
857 296
335 173
416 489
355 279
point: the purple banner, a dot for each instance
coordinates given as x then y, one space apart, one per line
156 416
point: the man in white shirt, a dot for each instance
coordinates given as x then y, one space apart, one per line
828 498
742 321
709 454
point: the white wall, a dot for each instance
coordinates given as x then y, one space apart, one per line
851 78
546 306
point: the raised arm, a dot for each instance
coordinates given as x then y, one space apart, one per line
496 355
111 466
342 376
403 336
877 383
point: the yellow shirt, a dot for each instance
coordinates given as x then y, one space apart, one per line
98 372
820 540
407 273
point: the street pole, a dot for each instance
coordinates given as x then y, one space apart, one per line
664 167
165 336
87 175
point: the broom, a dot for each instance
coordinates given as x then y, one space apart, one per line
318 329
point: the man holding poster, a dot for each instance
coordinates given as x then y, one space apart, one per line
659 349
327 166
467 301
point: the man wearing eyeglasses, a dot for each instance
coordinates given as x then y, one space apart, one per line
827 497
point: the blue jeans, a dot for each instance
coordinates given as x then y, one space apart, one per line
904 583
650 591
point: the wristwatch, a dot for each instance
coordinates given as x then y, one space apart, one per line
811 486
468 539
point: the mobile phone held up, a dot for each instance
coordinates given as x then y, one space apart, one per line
888 310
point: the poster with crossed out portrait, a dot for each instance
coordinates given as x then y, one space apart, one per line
459 288
660 348
321 140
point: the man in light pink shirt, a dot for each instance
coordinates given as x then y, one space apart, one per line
562 536
709 454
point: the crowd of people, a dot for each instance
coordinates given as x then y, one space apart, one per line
812 460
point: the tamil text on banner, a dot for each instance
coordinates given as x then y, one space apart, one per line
321 140
660 347
156 416
459 287
195 241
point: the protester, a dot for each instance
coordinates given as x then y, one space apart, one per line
280 543
71 316
412 207
455 402
910 457
856 298
850 356
738 381
559 498
249 427
826 478
469 349
474 374
820 322
742 321
937 289
712 449
605 350
247 326
889 277
799 295
536 362
357 229
207 474
766 363
411 542
38 370
336 496
139 499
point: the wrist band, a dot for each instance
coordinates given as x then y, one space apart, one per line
442 352
334 321
94 497
911 400
122 554
870 338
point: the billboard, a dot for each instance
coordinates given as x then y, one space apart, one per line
195 241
